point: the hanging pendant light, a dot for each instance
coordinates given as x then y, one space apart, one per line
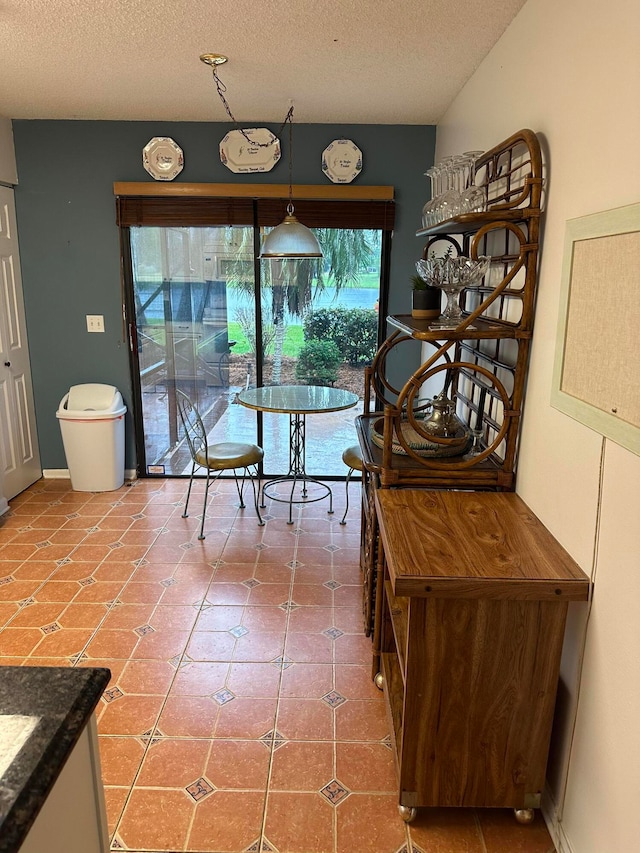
290 239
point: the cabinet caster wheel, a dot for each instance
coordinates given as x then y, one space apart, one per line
407 813
524 816
379 681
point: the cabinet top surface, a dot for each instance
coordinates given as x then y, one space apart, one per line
471 541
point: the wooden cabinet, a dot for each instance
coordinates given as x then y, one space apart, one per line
473 595
482 363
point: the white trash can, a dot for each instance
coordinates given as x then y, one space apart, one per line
92 424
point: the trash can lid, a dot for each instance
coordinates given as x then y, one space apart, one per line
93 397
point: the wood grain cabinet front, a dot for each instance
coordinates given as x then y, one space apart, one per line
473 596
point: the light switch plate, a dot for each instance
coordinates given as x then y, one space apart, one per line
95 323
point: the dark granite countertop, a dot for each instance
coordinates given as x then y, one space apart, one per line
63 699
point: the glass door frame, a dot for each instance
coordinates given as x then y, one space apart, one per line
126 219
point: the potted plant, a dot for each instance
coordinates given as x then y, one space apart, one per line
426 299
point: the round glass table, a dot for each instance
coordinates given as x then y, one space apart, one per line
297 401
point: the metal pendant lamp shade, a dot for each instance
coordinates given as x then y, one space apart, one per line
290 239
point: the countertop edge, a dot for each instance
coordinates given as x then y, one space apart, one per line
36 787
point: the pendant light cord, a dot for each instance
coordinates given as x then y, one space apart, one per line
221 88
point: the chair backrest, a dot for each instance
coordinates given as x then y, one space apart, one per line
194 430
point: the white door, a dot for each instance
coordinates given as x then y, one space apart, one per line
19 456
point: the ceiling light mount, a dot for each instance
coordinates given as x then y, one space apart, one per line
214 59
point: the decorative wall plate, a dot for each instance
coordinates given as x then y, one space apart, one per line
162 158
239 155
342 161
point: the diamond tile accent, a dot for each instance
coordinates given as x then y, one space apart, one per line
335 792
288 606
26 602
386 741
175 662
223 696
261 546
115 503
405 849
115 545
332 548
75 659
92 529
267 517
146 737
333 633
293 564
115 602
256 847
251 582
51 628
63 562
238 631
143 630
186 546
87 581
273 738
334 699
138 515
44 544
140 562
73 515
112 694
25 529
55 503
282 662
6 579
332 584
200 789
168 582
116 844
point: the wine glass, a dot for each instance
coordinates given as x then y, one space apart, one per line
473 199
427 211
449 201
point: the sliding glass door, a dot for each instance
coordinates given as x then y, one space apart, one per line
208 318
181 287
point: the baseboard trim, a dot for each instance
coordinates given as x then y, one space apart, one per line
549 811
63 474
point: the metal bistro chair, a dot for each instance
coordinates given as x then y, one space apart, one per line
352 458
225 456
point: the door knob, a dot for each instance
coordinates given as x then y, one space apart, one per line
7 364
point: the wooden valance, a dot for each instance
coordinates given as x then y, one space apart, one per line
181 205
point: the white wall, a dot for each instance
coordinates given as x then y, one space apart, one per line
570 71
8 174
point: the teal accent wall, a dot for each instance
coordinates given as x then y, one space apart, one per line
69 242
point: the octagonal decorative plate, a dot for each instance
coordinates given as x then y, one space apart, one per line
342 161
259 153
162 158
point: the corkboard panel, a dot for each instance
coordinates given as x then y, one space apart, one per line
598 354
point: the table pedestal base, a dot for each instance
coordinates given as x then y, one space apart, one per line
297 475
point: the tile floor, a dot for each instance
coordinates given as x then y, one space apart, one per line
241 715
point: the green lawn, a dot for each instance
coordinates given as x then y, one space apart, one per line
293 340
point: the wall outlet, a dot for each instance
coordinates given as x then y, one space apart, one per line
95 323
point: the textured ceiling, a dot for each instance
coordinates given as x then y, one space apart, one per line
351 61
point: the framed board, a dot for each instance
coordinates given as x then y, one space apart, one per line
596 376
